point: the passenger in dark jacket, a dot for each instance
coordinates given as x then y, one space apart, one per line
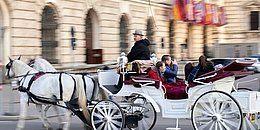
203 67
171 69
140 50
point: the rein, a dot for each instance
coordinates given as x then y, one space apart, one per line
37 73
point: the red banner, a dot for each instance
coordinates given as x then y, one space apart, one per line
178 10
208 14
198 12
215 18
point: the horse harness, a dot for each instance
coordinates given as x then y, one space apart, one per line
33 97
94 87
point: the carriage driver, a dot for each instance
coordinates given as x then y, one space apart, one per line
140 50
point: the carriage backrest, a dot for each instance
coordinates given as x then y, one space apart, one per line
140 66
109 77
223 84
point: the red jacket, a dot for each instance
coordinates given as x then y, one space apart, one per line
173 90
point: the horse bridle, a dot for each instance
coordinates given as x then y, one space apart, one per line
8 67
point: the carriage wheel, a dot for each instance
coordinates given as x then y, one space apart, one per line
145 113
107 115
216 110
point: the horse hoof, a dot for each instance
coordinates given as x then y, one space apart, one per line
59 129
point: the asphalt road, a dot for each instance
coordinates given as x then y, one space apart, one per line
9 106
76 124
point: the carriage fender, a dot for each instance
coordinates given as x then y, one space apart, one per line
155 105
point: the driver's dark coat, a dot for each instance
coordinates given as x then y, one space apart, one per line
139 51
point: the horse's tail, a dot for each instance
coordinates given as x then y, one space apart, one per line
82 101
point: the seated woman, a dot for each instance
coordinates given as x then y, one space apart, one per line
203 67
171 69
174 90
187 70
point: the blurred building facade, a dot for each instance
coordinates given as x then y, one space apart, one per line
103 29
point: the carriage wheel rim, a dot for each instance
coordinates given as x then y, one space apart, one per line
212 113
107 115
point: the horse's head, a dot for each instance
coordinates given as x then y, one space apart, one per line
16 67
31 62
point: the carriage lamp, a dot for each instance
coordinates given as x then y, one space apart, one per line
153 58
122 59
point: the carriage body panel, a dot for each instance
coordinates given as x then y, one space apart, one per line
249 101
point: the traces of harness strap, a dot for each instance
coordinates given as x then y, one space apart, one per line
61 89
94 87
74 87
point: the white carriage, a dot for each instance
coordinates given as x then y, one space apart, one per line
209 105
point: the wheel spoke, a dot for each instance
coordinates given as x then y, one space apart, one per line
232 123
206 107
200 111
101 126
211 104
222 107
212 125
203 119
101 111
219 125
217 107
202 127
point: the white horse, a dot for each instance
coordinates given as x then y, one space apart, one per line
91 86
90 81
49 88
44 66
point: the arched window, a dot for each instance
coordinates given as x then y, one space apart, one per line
123 34
93 54
150 34
49 34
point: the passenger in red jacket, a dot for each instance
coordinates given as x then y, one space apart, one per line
174 90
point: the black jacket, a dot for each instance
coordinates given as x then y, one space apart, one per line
139 51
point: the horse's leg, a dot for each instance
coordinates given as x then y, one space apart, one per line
42 116
67 114
56 109
23 111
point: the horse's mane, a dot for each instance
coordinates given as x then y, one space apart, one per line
43 65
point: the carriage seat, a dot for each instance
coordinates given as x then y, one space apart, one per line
110 80
145 80
140 66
